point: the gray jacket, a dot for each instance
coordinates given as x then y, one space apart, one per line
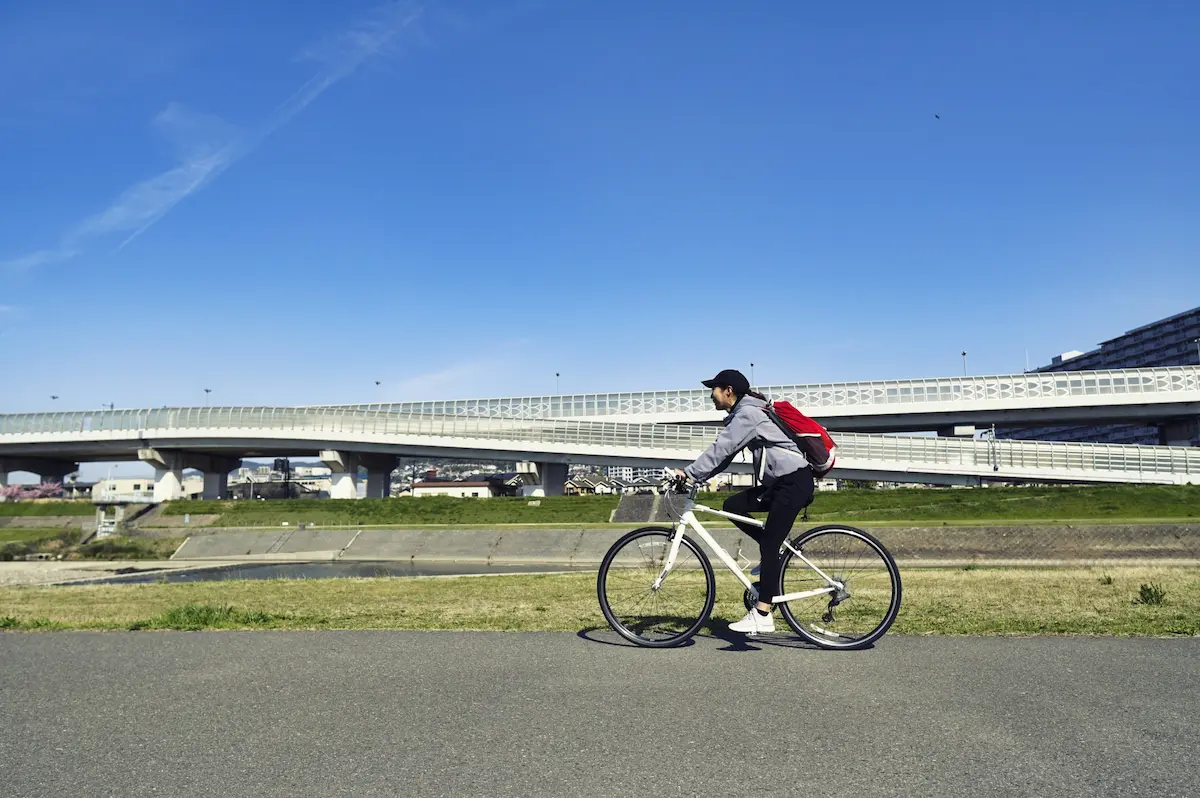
747 426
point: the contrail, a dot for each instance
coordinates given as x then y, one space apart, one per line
137 208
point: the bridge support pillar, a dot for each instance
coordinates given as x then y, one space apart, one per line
379 474
46 470
168 484
1178 432
554 478
216 473
344 473
216 485
168 473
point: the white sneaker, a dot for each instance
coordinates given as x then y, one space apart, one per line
754 623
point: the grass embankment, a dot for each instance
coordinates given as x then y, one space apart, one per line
16 543
979 601
1103 503
47 508
22 534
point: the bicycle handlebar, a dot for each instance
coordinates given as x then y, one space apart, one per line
679 484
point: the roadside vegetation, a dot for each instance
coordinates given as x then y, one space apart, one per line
16 544
1102 503
960 601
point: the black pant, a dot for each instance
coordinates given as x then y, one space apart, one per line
783 500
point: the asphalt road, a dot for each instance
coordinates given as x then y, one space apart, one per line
464 713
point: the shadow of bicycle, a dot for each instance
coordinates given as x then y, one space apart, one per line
716 630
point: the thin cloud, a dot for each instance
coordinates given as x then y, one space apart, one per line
9 315
467 378
443 382
208 146
43 257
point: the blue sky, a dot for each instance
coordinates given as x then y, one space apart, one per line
287 201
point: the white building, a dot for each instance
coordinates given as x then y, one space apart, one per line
133 488
630 473
461 490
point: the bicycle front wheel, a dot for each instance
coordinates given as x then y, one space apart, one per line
661 616
859 613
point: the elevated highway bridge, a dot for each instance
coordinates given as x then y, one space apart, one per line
214 440
1150 396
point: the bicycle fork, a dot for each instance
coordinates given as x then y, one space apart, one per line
672 553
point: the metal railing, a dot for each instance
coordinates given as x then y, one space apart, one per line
1161 383
594 437
1166 384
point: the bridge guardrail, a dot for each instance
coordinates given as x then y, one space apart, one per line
818 396
329 423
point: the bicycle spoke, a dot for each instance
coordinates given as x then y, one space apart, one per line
870 599
649 615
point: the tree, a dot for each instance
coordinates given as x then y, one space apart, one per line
46 490
12 492
860 484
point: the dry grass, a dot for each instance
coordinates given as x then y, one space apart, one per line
977 601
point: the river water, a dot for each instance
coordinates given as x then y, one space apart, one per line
325 570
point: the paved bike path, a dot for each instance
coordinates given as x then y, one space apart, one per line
545 714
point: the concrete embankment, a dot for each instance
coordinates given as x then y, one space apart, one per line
912 545
514 546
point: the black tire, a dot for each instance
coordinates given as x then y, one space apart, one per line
651 617
872 588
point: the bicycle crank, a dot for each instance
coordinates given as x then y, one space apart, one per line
751 599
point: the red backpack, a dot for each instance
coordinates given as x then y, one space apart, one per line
813 439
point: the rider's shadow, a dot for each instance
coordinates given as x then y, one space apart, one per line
734 641
738 642
715 630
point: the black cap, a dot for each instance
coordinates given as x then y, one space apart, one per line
731 377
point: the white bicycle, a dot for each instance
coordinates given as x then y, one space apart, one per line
839 587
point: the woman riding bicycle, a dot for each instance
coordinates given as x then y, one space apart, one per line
783 481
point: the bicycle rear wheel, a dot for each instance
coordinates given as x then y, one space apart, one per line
662 617
850 618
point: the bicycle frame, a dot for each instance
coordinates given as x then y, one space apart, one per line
689 520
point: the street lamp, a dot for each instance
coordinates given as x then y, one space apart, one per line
557 391
751 373
207 391
964 357
1197 342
